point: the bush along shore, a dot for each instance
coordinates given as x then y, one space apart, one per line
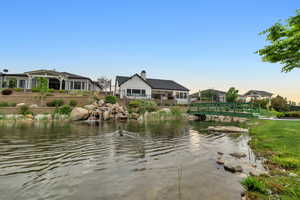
278 142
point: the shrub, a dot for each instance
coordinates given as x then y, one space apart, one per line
254 185
51 90
6 92
287 163
73 103
62 91
142 106
292 114
35 90
63 110
24 110
176 111
7 104
18 89
56 103
111 99
279 104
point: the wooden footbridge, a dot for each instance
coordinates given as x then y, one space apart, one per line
245 110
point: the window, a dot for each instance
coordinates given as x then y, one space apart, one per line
77 85
136 92
33 83
22 83
128 92
181 95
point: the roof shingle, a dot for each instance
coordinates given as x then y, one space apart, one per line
155 83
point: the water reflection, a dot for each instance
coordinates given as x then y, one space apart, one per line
165 160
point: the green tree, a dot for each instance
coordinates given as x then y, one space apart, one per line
279 104
232 95
42 87
284 47
12 83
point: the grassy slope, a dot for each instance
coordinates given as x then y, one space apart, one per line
279 143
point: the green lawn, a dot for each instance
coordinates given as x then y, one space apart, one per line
279 143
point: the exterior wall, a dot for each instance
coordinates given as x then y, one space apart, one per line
181 100
32 98
135 83
248 98
222 98
14 110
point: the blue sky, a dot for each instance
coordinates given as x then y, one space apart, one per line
201 44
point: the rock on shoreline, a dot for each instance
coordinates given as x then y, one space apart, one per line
99 111
228 129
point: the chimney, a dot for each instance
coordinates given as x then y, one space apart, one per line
143 74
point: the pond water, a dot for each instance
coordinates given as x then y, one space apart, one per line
165 160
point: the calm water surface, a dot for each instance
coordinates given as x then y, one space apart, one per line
166 160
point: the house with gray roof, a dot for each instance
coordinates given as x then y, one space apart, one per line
138 86
56 80
257 95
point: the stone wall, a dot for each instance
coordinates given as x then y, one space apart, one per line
33 98
14 110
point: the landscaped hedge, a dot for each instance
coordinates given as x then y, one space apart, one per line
142 106
7 104
56 103
295 114
111 99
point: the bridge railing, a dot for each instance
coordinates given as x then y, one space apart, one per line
233 109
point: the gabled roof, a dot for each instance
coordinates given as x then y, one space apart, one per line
154 83
19 75
258 92
219 92
50 72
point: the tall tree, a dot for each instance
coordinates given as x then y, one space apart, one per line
284 47
279 104
232 95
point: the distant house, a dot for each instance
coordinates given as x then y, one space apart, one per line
209 95
139 86
257 94
56 80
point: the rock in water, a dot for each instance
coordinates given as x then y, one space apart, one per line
231 168
220 161
226 129
79 114
238 155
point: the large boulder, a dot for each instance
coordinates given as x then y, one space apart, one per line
232 168
33 106
79 114
167 110
20 104
43 117
238 155
90 107
101 102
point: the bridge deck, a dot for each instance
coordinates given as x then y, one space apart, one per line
247 110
